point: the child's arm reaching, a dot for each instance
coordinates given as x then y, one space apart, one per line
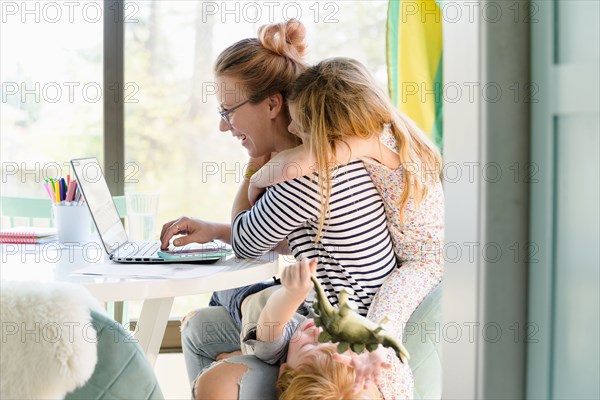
366 366
286 165
283 303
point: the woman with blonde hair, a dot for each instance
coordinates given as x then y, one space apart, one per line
254 77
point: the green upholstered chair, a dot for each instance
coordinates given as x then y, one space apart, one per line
57 343
422 339
122 371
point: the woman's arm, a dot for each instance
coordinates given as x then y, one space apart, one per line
199 231
241 201
281 210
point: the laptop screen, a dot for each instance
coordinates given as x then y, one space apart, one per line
93 186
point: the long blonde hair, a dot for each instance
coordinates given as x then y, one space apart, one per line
338 98
321 377
268 64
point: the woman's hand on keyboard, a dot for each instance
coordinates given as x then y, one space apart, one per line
193 231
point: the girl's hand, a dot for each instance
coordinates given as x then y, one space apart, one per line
295 278
366 365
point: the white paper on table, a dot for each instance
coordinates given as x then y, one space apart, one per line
167 271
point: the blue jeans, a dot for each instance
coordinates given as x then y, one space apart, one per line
232 299
210 332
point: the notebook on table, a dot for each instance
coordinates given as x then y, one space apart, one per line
112 233
28 235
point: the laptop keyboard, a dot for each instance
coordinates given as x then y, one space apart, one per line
147 249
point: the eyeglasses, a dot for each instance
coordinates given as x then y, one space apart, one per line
226 113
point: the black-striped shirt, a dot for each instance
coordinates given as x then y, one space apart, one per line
355 251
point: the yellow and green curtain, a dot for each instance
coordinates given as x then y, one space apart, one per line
414 58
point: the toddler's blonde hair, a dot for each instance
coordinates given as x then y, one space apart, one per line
321 377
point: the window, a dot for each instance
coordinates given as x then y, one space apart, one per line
172 141
51 74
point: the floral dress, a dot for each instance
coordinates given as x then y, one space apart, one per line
418 240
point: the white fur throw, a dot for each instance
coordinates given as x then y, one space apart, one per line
48 342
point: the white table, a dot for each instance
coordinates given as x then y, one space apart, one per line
50 263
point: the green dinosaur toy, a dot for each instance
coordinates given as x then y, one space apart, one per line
344 326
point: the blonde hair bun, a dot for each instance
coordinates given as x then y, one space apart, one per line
286 39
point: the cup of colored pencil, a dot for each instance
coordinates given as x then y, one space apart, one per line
71 215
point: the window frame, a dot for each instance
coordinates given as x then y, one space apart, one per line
114 106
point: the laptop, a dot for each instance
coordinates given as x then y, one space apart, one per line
112 233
